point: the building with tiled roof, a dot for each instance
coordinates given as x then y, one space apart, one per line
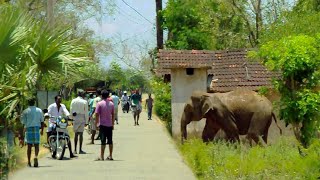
229 69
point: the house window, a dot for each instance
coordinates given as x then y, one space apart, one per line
190 71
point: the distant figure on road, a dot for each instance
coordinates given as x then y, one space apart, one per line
125 102
149 105
90 106
79 106
116 103
136 106
93 121
32 119
105 121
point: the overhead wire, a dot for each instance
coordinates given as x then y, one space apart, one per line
137 12
125 14
136 34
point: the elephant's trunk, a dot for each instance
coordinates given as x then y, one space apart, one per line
184 123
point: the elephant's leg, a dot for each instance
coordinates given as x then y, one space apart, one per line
265 133
231 131
210 130
258 127
254 137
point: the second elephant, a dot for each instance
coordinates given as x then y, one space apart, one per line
239 112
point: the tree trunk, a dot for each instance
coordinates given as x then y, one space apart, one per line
50 7
159 24
258 20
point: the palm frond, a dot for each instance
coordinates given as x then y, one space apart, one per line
9 97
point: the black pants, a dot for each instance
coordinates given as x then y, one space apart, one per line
105 134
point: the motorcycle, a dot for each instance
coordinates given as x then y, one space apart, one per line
125 106
59 139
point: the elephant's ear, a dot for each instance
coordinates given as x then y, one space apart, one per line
206 104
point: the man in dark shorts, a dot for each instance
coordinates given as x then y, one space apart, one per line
105 121
136 106
32 119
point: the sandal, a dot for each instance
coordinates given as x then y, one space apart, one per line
109 158
99 159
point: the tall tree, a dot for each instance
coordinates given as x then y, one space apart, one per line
203 24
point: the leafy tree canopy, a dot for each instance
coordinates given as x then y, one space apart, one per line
298 58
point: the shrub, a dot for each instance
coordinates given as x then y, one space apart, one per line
162 92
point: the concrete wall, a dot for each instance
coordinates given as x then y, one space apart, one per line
45 98
182 86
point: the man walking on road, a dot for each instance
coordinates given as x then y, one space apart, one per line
80 107
32 119
105 121
116 103
136 107
149 104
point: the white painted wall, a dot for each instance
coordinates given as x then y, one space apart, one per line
182 86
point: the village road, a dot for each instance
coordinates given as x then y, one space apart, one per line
140 152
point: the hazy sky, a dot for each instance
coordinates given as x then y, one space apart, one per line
128 26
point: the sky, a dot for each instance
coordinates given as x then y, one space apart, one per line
127 25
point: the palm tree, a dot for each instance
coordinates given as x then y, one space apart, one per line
29 51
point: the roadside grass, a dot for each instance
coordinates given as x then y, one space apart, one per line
19 154
282 160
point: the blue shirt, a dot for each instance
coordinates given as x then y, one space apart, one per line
32 117
115 100
91 107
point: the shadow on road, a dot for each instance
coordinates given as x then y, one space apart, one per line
44 166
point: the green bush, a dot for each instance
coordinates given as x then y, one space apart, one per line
162 106
229 161
6 159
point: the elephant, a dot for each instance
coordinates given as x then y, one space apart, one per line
238 112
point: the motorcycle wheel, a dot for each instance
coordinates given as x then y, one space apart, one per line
53 149
53 154
61 149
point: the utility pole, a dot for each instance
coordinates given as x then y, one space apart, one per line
159 24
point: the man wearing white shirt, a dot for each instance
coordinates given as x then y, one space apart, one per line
57 109
116 103
79 106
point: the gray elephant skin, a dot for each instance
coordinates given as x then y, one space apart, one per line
239 112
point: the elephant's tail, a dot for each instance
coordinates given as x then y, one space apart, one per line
275 120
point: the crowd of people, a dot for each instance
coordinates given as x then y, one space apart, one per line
99 110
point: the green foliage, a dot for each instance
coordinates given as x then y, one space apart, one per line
263 91
183 22
203 24
304 18
126 79
162 106
33 52
231 161
298 59
4 159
